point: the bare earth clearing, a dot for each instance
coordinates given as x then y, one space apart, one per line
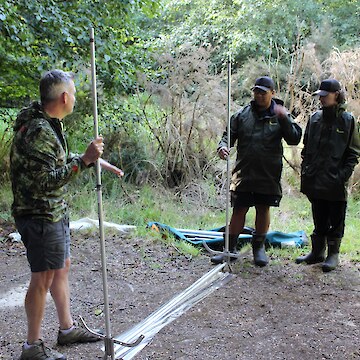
283 311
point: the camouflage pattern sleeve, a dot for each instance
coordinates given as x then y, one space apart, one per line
46 159
40 169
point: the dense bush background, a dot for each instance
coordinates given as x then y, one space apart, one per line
161 72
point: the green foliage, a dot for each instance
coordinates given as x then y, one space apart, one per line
185 248
250 28
344 17
39 35
161 85
6 199
128 140
350 243
7 118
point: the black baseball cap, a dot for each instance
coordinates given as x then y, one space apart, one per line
328 86
264 83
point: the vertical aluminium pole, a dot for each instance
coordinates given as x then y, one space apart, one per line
227 254
108 339
228 113
109 345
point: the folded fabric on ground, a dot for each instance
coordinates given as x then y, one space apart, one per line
215 236
82 224
86 223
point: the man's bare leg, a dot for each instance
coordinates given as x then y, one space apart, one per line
35 302
60 292
262 219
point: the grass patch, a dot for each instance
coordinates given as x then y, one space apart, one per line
351 241
127 204
6 199
187 249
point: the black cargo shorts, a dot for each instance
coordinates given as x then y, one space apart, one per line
249 199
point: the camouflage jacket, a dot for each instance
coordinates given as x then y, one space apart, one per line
40 165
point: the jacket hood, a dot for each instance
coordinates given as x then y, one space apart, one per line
27 114
340 109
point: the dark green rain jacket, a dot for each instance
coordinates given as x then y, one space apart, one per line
40 165
259 138
331 151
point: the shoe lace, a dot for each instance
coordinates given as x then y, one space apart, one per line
47 351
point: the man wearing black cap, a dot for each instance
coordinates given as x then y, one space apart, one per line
331 151
258 129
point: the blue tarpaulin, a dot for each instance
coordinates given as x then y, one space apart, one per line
215 236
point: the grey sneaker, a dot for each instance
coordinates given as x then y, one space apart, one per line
40 352
77 335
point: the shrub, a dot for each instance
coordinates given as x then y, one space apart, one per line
7 116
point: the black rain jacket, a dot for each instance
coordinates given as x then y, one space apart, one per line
330 154
258 164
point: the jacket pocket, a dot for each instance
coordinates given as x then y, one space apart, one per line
335 170
272 135
308 170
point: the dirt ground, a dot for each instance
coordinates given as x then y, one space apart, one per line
282 311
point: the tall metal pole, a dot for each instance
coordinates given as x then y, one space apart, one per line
227 254
228 113
109 345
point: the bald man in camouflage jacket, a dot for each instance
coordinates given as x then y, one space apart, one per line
41 167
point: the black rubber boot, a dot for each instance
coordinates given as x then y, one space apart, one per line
332 260
317 254
220 258
258 247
